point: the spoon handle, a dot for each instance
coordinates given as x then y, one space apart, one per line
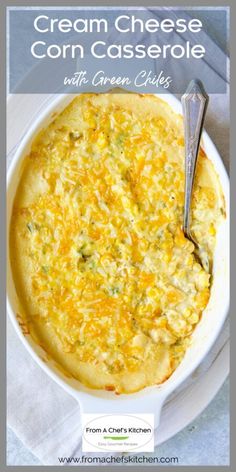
194 103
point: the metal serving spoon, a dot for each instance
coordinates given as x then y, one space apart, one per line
194 103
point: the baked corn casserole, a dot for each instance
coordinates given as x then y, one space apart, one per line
109 284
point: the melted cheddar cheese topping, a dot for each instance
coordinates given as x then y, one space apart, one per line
107 278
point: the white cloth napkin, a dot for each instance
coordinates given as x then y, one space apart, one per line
42 414
47 419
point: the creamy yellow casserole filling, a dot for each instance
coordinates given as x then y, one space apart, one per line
109 283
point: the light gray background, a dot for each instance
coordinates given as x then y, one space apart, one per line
203 442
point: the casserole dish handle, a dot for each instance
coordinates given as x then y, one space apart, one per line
123 405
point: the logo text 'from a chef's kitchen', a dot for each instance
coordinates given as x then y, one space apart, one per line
122 433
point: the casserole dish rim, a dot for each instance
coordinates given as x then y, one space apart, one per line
98 400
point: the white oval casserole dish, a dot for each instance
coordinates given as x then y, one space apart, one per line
150 399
